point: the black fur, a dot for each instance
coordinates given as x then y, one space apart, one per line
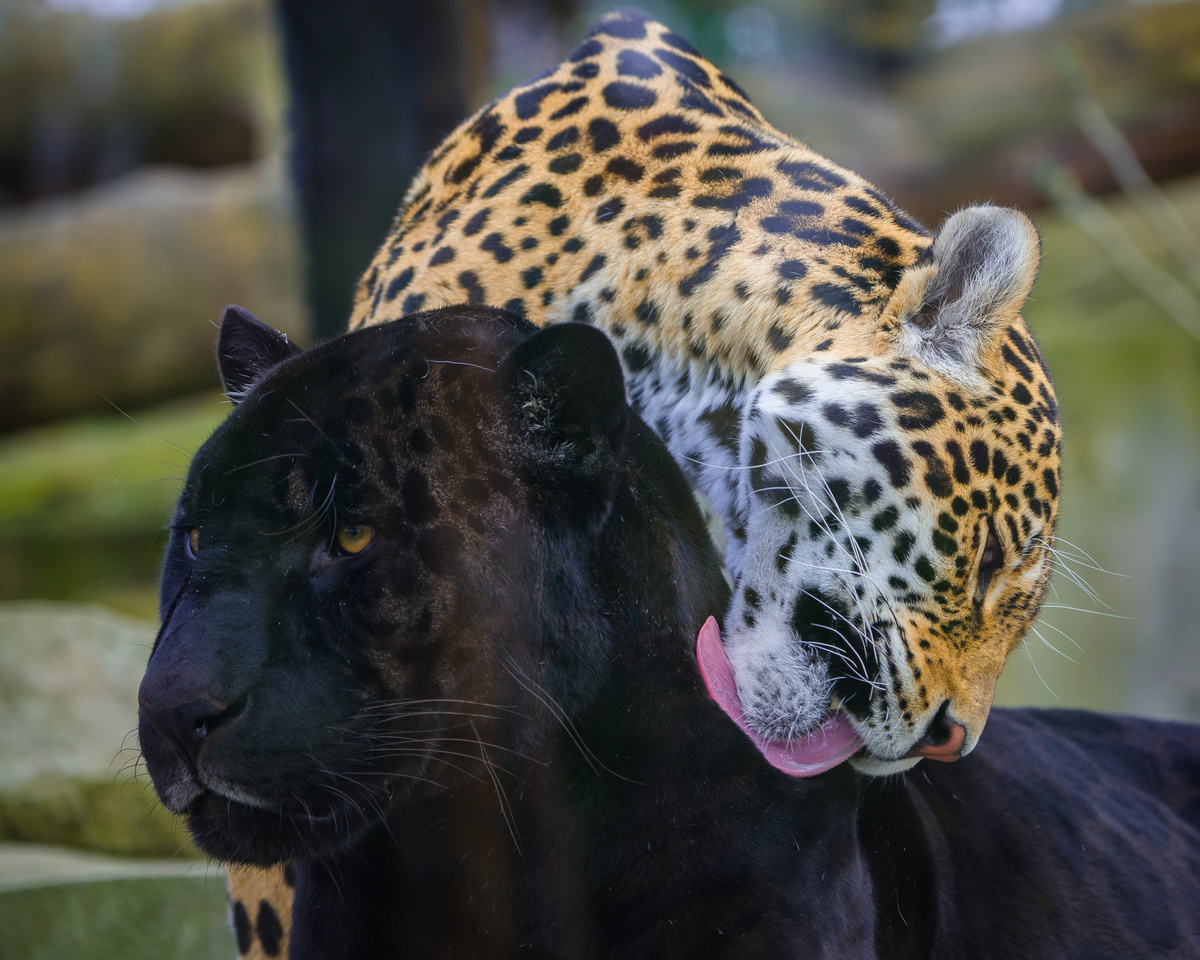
485 735
246 349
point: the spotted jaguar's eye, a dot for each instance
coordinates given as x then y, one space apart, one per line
354 537
991 559
193 542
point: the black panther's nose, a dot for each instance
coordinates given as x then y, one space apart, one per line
187 726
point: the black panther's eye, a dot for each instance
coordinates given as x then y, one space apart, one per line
354 537
193 542
990 560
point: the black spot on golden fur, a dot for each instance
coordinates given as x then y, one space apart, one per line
269 929
241 927
629 96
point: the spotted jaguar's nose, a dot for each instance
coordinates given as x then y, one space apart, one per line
943 739
186 727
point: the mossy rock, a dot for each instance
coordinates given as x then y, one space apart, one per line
123 817
56 904
111 297
83 503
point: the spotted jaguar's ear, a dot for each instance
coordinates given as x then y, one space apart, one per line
246 349
570 393
951 311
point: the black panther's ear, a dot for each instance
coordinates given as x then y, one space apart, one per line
246 349
570 384
569 387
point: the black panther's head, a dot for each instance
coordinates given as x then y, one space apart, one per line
365 565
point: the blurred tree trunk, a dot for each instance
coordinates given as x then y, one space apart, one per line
375 85
878 37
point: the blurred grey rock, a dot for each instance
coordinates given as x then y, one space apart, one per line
113 295
69 675
68 689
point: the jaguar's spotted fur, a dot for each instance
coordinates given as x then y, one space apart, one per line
861 404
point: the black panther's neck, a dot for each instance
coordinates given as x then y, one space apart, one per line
652 796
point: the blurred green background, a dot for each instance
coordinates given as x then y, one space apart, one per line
144 185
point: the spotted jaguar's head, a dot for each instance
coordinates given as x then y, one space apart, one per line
900 504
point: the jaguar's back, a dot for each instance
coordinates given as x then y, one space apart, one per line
635 185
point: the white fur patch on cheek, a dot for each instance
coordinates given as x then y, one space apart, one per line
698 414
782 683
783 689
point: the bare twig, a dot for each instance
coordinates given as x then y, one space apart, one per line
1094 218
1112 144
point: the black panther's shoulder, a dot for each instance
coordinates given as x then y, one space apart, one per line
1086 826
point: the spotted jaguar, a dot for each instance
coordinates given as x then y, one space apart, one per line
860 403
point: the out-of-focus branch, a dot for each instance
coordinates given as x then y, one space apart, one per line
1119 154
1091 216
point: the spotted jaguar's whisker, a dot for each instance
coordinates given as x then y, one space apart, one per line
858 669
1034 629
859 631
1063 633
1066 561
879 596
739 468
820 523
824 568
855 555
1033 663
864 674
817 521
1081 583
1076 578
1094 613
1079 552
799 472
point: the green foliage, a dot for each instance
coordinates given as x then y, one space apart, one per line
103 475
82 503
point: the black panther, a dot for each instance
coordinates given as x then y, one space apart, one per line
429 626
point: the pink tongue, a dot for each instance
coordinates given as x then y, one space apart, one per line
816 752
